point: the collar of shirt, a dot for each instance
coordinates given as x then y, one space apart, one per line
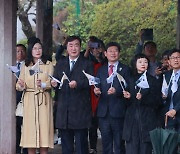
21 62
73 60
177 74
115 66
70 62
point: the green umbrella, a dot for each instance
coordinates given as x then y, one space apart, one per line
164 141
171 142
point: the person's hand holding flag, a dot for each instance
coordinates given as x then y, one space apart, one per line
126 94
142 83
111 91
21 84
54 81
97 91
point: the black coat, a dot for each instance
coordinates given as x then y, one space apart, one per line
74 106
144 109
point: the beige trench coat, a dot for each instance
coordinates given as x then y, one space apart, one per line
37 129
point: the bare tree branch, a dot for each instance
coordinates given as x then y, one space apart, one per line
29 5
23 17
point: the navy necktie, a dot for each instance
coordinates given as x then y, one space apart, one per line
18 65
72 64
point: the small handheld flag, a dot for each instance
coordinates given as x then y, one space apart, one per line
165 86
13 69
121 79
174 86
53 78
111 78
92 80
35 69
142 81
64 77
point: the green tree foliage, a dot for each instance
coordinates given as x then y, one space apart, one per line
80 25
59 6
23 41
121 21
102 1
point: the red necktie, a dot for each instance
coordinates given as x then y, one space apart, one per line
110 69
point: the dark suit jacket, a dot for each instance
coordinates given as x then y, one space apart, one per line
143 111
176 96
115 103
74 106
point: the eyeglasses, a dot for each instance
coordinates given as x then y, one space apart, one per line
173 58
36 48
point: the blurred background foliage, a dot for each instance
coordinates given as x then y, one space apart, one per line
121 21
116 20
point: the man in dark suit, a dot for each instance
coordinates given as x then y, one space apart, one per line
20 57
111 108
74 107
173 95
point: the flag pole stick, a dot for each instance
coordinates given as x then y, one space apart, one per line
169 80
121 86
111 84
94 86
66 76
16 76
139 90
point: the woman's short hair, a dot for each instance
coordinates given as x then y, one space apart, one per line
134 61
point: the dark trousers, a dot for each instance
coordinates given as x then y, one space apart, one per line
81 141
18 135
111 133
135 144
93 133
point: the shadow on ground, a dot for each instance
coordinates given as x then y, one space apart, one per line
57 148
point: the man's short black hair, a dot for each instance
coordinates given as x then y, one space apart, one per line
150 43
110 44
72 38
165 53
21 45
173 51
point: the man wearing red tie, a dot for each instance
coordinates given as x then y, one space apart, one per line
111 108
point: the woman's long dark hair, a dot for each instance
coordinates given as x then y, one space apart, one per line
29 58
134 61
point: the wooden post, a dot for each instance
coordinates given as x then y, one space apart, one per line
44 24
8 18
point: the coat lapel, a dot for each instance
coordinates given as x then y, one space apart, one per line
66 66
119 68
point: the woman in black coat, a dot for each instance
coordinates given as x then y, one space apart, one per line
142 102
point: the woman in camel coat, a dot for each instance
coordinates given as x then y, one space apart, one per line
37 130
